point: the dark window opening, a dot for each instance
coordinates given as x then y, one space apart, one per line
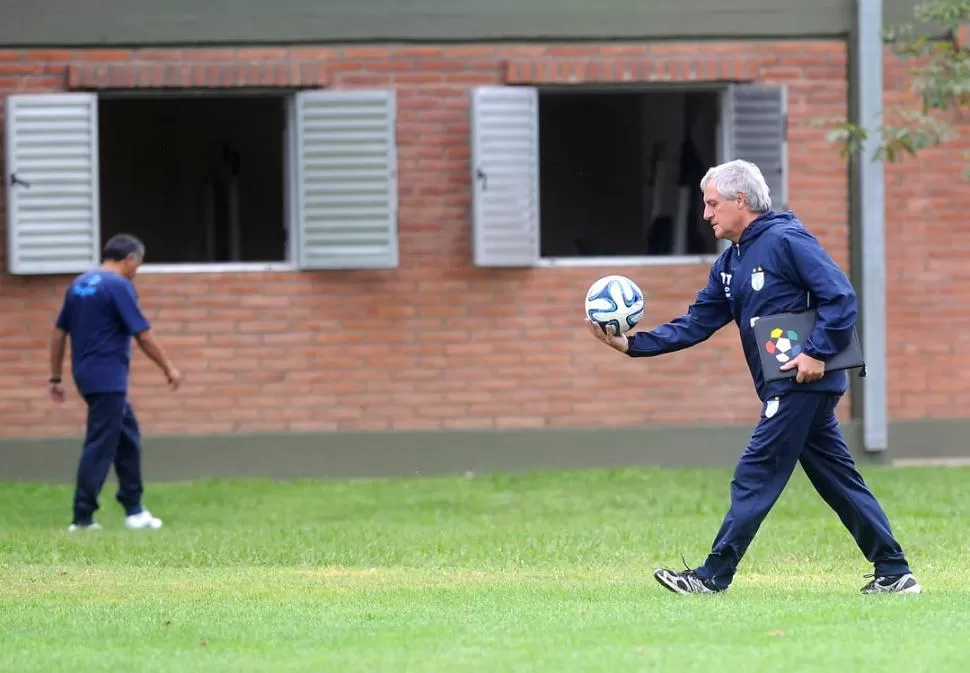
619 172
198 179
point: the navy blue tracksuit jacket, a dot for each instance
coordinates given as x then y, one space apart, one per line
776 266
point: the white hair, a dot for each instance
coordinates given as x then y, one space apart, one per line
743 176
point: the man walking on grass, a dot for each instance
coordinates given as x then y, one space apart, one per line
775 265
101 314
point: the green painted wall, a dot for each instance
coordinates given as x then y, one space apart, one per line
379 454
150 22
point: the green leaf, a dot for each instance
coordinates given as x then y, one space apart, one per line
941 82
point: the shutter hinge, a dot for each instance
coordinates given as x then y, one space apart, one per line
14 181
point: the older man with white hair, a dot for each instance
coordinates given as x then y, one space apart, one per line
776 265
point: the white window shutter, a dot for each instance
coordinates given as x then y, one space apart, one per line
505 175
345 200
758 121
53 210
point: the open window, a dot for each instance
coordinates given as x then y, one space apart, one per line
608 175
209 182
198 179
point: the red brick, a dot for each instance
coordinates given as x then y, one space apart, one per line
102 55
577 67
19 68
260 54
361 80
175 55
311 53
612 50
52 55
422 52
208 55
418 77
194 69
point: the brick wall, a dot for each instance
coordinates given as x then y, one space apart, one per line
927 250
438 343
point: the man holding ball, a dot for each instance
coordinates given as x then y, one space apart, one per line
775 265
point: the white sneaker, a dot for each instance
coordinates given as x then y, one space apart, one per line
142 520
894 584
91 526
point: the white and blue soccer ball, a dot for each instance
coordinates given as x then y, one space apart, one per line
615 300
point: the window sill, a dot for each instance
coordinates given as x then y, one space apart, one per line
217 267
657 260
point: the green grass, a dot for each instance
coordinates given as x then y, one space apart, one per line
538 572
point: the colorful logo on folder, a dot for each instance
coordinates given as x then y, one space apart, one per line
783 344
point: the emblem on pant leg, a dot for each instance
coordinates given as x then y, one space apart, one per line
757 278
771 407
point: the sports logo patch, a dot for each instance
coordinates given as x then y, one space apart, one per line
771 407
757 278
87 287
783 344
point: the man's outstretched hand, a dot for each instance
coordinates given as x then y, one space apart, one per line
608 336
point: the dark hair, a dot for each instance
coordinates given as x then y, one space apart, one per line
120 246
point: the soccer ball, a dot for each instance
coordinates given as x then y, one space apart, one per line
783 344
615 300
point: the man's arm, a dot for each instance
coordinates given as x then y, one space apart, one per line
58 346
836 298
710 312
150 347
57 349
136 322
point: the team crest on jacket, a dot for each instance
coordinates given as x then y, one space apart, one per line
771 407
757 278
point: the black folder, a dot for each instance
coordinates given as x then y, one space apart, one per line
782 336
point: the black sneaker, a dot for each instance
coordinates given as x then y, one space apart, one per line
893 584
685 582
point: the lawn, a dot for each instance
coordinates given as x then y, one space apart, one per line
536 572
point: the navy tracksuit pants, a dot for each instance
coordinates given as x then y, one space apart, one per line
800 427
112 438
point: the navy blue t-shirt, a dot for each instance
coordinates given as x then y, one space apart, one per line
101 313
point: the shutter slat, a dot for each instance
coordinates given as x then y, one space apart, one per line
759 117
53 222
347 179
505 175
